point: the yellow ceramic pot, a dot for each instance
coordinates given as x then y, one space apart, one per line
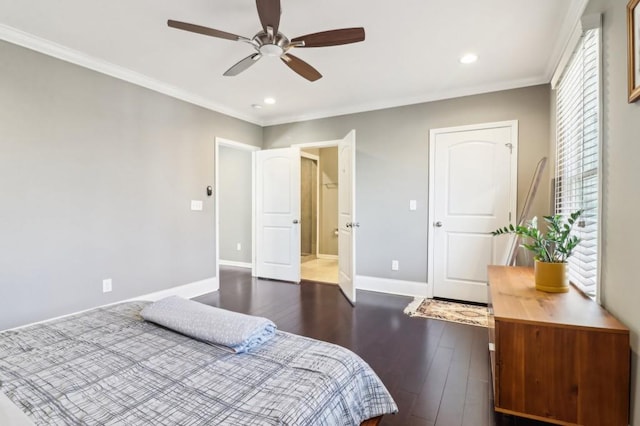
551 277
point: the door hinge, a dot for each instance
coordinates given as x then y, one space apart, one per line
509 217
510 146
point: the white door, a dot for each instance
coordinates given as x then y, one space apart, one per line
278 214
346 215
472 192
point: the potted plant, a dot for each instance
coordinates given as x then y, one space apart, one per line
551 250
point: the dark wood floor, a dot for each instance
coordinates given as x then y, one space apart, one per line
438 372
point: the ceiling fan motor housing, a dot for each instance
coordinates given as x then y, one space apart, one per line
268 47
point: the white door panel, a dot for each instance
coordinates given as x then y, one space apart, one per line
477 249
277 214
277 250
473 194
470 188
276 180
346 215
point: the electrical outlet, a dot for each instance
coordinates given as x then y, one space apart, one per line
239 247
395 265
413 205
107 285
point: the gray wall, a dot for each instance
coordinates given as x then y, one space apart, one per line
620 289
392 149
328 200
96 177
234 198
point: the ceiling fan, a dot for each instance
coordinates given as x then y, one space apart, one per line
271 42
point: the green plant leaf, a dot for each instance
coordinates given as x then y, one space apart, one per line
556 245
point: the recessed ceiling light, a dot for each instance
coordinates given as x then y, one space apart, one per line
269 101
256 106
469 58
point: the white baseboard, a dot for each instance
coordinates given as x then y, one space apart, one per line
234 263
391 286
187 291
327 256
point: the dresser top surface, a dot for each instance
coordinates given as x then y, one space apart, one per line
514 297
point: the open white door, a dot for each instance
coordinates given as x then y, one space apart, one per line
346 215
473 172
278 214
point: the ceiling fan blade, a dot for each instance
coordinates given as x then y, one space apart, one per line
204 30
242 65
301 67
269 13
331 37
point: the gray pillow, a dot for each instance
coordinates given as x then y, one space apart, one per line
237 331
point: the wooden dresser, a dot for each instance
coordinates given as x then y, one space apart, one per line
557 357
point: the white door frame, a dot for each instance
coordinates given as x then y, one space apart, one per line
242 147
322 144
513 187
315 158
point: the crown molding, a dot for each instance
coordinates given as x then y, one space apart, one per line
406 101
55 50
32 42
564 40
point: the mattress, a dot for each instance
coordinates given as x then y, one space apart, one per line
108 366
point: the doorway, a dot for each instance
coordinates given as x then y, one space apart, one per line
233 200
277 213
472 191
319 214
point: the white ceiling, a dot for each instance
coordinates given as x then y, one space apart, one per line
410 53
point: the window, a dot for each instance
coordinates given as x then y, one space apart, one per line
578 155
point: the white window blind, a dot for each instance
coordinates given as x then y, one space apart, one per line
578 155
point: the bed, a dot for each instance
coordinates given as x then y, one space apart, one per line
108 366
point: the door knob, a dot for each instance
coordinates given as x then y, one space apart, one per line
438 224
296 221
348 224
356 224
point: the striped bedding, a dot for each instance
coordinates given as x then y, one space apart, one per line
109 367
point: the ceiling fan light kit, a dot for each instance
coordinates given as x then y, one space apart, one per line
271 42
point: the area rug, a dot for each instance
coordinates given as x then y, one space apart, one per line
448 311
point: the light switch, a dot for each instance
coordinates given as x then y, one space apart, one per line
413 205
196 205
